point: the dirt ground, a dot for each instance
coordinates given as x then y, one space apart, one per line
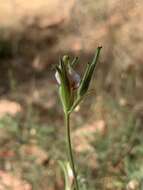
17 14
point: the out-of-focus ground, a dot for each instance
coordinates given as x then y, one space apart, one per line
107 130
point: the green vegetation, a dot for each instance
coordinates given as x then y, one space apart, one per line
118 150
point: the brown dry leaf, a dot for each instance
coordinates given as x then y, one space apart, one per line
9 107
8 181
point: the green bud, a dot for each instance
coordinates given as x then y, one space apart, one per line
85 82
71 88
64 89
66 59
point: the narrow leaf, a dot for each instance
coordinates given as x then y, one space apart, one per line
88 74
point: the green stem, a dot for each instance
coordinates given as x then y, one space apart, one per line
69 149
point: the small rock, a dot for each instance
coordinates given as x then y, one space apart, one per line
133 185
8 181
9 107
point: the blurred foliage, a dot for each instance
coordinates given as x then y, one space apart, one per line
119 155
118 152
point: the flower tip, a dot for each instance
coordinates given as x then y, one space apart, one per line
57 77
65 58
99 47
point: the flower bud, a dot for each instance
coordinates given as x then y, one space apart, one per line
71 88
74 78
64 88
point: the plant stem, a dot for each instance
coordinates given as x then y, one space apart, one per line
69 149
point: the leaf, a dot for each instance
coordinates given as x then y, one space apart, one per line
85 82
68 175
74 62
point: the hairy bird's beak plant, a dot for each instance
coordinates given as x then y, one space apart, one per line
72 90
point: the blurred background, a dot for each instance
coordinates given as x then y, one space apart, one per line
107 130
